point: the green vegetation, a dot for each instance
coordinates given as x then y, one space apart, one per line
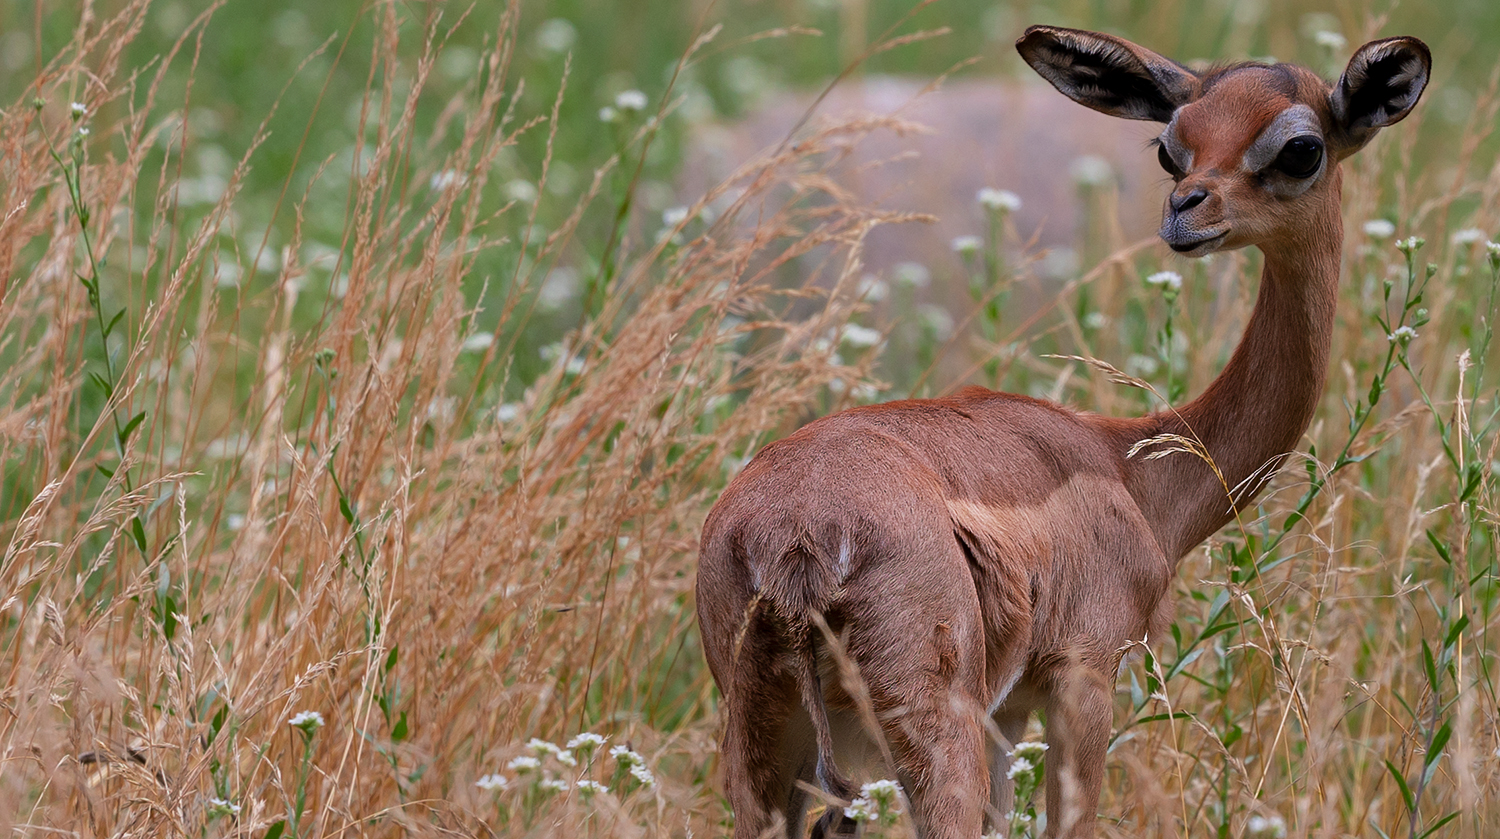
355 360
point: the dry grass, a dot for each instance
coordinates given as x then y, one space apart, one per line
341 517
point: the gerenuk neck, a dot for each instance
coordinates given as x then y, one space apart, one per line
1256 411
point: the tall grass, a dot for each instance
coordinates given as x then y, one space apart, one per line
248 478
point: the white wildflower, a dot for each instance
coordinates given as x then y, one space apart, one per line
859 336
1019 766
445 179
507 412
308 721
524 763
590 788
81 110
1403 335
587 741
967 245
553 784
1143 366
1166 280
542 748
999 200
555 35
608 114
574 366
937 320
631 101
1409 244
913 274
626 756
1493 248
83 131
878 789
673 216
1379 228
872 288
1017 818
1091 170
1095 320
861 810
478 342
492 783
642 774
1029 750
1332 40
1269 827
217 806
520 191
1468 236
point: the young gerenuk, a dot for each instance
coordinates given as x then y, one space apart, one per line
988 554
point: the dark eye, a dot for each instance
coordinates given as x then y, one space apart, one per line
1300 157
1167 162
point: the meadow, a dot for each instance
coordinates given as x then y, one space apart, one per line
366 374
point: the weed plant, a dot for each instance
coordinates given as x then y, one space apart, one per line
355 490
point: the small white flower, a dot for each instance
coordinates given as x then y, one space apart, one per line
492 783
542 748
913 274
1409 244
1095 320
1493 248
478 342
590 788
872 288
1379 228
861 810
524 763
936 320
308 721
1166 279
626 756
967 245
1403 334
642 774
553 784
1331 40
507 412
218 805
859 336
631 101
520 191
1030 750
555 35
588 740
1468 236
574 366
83 131
566 758
1140 365
446 178
882 788
999 200
608 114
1270 827
1091 170
1015 817
81 110
1019 766
673 216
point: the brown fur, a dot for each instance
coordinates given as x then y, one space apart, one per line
986 553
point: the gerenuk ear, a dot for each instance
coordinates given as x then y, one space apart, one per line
1108 74
1380 86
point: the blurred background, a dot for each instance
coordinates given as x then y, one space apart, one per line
367 370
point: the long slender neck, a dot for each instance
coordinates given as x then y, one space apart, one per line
1256 411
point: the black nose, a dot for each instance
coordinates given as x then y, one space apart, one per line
1182 203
